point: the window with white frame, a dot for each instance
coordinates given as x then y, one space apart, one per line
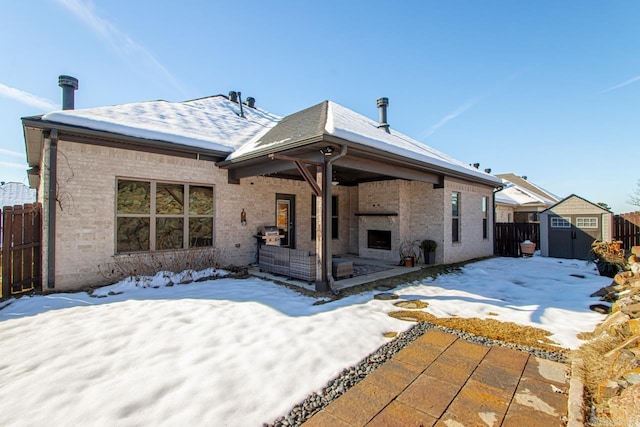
559 222
153 215
587 222
455 217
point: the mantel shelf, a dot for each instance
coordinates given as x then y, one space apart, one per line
376 214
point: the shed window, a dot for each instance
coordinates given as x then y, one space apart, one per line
558 222
153 215
589 222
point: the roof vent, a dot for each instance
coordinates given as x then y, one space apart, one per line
233 96
383 103
476 165
251 102
487 170
69 85
524 177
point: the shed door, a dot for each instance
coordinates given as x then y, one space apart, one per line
560 241
587 228
571 236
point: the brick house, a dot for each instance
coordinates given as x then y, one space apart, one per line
207 173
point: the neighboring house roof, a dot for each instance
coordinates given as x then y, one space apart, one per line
528 185
16 193
515 195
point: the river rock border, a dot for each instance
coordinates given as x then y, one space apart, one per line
353 375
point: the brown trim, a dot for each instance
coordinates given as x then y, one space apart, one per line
112 140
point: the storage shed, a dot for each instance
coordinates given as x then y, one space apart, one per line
568 228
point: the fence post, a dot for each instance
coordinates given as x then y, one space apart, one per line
6 255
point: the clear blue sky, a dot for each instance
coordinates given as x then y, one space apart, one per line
547 89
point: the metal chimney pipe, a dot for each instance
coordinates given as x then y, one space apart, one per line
69 85
240 104
382 109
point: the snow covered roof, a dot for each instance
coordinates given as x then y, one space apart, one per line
211 123
16 193
513 194
524 183
330 118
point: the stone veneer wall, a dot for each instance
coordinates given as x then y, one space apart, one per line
85 217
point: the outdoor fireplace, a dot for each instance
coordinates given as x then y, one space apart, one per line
379 239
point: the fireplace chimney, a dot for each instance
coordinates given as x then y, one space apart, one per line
383 103
69 85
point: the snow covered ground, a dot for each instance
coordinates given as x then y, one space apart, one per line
241 352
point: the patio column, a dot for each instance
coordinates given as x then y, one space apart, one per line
320 270
323 238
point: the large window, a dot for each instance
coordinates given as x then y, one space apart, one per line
485 224
455 217
154 215
334 217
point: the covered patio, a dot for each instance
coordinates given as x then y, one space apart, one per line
366 270
393 185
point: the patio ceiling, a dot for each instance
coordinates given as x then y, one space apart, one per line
356 167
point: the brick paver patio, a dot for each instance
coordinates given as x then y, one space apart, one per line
441 380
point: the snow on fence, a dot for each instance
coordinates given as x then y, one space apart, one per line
626 228
20 257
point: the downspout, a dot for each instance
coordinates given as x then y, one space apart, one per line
493 230
327 226
51 206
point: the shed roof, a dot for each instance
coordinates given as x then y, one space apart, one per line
574 196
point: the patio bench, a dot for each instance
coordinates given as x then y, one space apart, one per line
293 263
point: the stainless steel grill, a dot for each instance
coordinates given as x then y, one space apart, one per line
270 235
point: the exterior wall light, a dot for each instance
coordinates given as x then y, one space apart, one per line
243 218
327 151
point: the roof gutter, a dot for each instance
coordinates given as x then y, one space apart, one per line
383 156
51 207
71 133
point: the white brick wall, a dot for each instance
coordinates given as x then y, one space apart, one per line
85 216
472 244
504 213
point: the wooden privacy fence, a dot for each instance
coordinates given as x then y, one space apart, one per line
626 228
20 257
509 235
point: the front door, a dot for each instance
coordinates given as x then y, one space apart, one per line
286 219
